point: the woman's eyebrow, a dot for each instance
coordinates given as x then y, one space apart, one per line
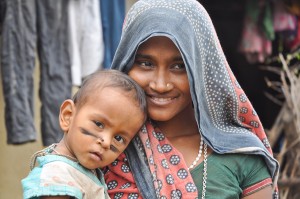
178 58
143 56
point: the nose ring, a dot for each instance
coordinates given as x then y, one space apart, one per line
168 85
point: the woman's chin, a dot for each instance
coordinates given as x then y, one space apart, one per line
159 117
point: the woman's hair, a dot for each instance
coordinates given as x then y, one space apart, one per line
101 79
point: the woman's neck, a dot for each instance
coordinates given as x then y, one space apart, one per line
184 124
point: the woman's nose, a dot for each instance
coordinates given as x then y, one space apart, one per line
161 84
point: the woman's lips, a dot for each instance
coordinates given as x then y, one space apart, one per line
161 100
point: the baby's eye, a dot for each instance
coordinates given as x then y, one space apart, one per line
119 139
99 124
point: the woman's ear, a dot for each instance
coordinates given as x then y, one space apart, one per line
67 111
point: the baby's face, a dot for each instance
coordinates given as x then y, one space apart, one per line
102 128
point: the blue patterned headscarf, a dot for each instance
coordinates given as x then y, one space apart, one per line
225 116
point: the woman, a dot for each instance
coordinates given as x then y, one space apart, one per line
203 139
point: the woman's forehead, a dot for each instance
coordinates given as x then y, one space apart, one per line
158 41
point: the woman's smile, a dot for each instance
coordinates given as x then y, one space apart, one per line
161 101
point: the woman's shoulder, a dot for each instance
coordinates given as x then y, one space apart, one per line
240 165
235 160
236 157
232 173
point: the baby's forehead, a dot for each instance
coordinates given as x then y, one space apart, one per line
105 89
108 88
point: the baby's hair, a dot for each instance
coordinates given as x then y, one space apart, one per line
101 79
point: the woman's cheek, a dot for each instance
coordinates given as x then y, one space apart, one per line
140 78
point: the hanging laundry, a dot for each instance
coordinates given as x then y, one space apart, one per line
285 24
257 32
295 43
112 16
283 20
293 7
29 26
86 39
2 13
268 21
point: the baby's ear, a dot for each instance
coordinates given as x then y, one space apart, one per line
67 111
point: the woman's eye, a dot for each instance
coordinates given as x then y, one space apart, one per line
179 66
119 139
145 64
99 124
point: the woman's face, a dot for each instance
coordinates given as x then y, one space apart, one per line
159 69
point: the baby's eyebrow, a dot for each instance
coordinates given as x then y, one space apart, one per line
103 119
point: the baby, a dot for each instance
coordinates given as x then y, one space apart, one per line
98 124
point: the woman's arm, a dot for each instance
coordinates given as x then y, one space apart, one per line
265 193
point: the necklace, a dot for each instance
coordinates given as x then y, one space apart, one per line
198 156
67 156
204 172
204 166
